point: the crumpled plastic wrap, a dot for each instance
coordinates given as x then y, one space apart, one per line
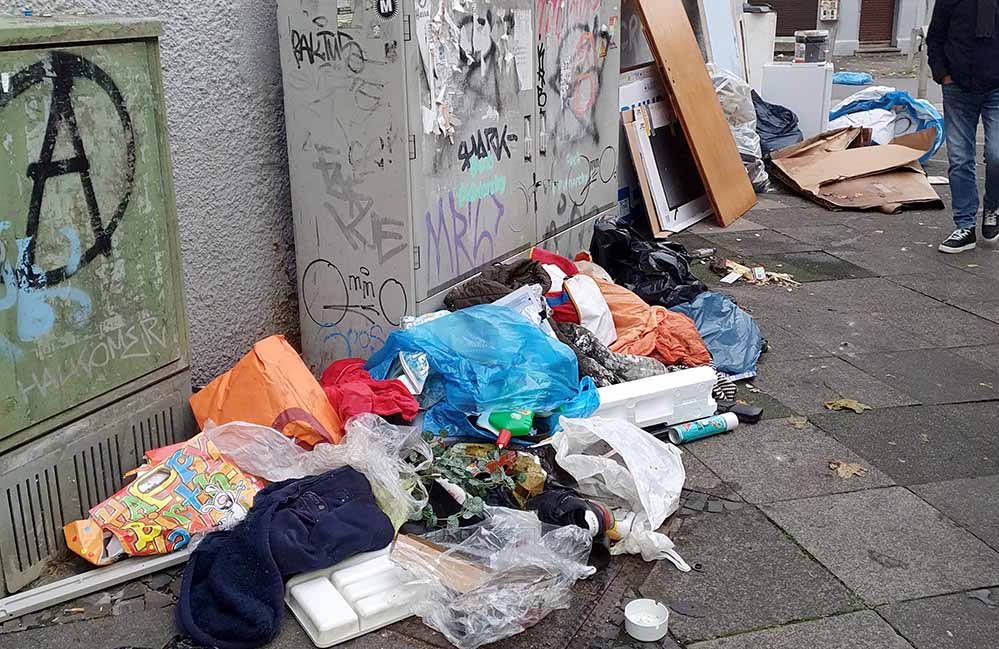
736 100
647 485
523 570
373 446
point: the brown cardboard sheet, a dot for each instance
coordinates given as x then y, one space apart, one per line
835 170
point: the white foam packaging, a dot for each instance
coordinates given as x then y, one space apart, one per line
672 398
354 597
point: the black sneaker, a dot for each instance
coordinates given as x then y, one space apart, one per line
959 240
990 226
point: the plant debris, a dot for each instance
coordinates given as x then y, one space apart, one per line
797 422
847 404
847 470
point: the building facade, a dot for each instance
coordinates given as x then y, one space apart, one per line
855 25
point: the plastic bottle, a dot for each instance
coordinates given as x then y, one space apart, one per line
703 428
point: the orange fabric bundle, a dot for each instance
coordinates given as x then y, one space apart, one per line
652 330
271 386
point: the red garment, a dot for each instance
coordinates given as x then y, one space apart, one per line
543 256
352 391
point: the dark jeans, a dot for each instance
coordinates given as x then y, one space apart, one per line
962 111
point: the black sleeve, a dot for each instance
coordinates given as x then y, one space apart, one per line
936 39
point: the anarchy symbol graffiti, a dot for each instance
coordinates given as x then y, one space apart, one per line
63 70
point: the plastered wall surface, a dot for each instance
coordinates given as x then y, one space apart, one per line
226 119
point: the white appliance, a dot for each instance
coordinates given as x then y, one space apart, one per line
805 88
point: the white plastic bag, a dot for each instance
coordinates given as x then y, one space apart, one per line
880 121
371 445
648 484
517 571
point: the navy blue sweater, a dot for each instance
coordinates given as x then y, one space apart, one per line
953 49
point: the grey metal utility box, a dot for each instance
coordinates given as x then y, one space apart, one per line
94 363
428 138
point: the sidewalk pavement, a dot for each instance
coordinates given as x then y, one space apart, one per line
787 553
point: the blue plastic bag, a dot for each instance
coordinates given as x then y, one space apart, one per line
852 78
920 113
492 358
729 333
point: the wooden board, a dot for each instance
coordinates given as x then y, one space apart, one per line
675 49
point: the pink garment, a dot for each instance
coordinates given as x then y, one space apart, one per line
352 391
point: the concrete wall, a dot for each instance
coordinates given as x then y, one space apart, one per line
226 117
845 33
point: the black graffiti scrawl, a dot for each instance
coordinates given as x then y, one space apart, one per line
64 70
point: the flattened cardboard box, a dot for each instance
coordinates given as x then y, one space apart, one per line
838 171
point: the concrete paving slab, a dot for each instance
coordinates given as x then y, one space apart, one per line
772 408
147 629
931 375
987 310
890 262
805 385
784 344
703 480
772 461
861 296
987 355
860 630
947 326
753 576
887 544
953 286
826 235
794 216
920 444
759 242
949 622
969 502
982 261
812 266
708 226
851 332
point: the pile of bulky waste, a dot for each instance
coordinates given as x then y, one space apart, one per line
483 460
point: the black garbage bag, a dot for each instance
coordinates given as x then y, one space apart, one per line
656 271
776 125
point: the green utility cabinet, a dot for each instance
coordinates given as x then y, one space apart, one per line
94 363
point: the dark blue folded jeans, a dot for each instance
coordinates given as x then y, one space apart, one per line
962 112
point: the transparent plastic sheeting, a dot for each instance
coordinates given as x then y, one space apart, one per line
371 445
491 358
736 100
648 484
525 570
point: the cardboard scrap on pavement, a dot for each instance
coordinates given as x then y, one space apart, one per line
837 170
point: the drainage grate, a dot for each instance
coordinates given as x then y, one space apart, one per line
59 478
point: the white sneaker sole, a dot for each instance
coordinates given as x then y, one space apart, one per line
951 251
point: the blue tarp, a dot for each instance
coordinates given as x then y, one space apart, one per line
490 358
920 112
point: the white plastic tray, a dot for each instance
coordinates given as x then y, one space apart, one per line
354 597
671 398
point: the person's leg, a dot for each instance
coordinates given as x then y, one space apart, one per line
961 113
990 119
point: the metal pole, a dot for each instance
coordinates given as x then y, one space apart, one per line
921 74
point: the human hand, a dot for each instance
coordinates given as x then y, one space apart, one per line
946 81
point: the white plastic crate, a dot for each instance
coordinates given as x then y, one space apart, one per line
354 597
671 398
